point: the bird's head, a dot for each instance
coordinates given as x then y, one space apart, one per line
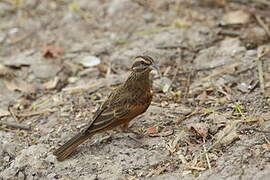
143 64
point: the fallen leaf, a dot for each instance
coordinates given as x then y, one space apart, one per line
200 129
151 130
266 146
51 51
202 96
165 132
227 135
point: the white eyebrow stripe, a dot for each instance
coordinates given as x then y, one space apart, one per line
144 60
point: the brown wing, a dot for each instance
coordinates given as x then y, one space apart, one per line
106 118
115 111
111 109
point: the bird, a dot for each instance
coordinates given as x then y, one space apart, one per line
127 101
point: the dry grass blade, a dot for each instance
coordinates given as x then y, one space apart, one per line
264 26
222 71
261 52
15 125
37 113
85 87
195 168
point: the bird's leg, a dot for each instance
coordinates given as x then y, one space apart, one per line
126 129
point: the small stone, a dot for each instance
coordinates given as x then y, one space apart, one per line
13 31
45 69
50 158
117 6
254 36
236 17
6 158
51 176
89 61
183 110
149 17
243 87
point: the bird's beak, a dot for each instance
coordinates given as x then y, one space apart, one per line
155 68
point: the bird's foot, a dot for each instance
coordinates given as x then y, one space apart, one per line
138 135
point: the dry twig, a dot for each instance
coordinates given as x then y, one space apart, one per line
206 155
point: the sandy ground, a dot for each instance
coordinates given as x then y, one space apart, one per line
209 118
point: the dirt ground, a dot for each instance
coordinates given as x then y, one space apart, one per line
210 116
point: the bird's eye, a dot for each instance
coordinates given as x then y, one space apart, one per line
144 63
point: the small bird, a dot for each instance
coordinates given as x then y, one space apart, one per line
129 100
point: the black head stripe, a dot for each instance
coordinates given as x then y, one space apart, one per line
147 59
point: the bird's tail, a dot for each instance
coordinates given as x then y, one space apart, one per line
65 150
